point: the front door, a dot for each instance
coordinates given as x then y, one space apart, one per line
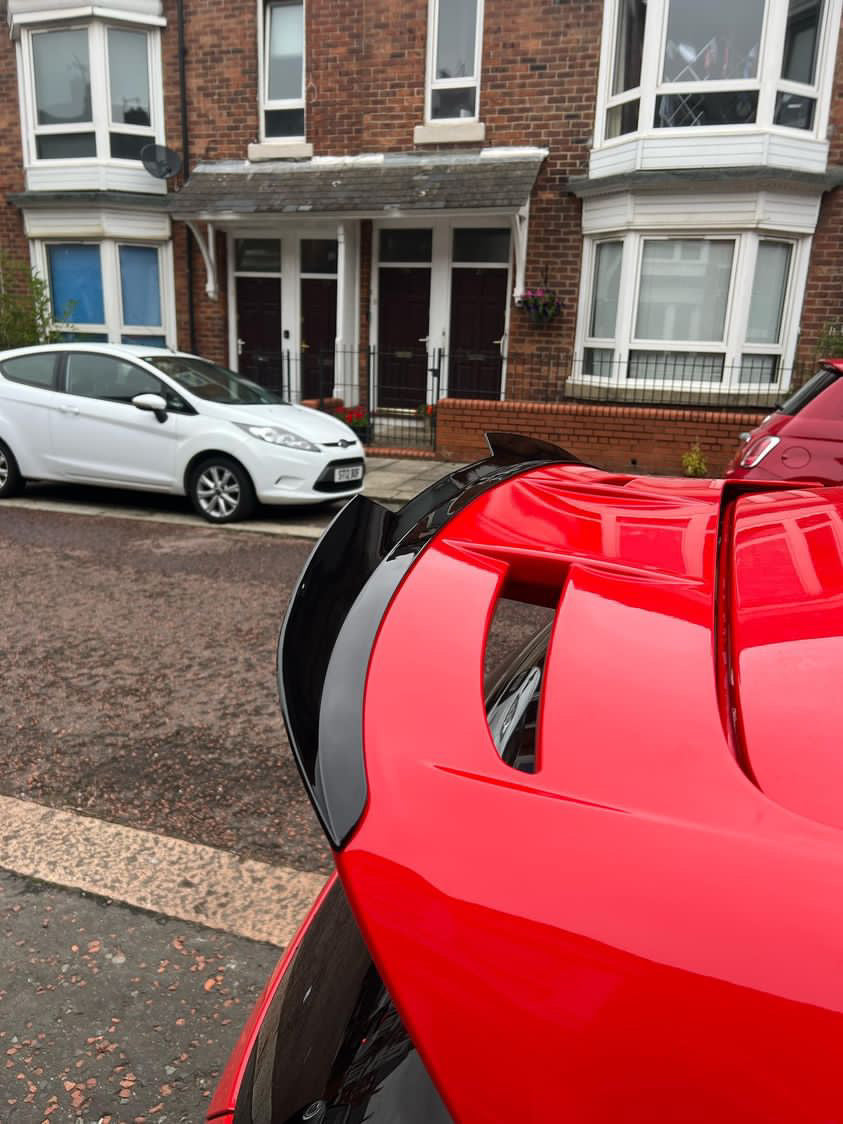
478 321
403 319
318 335
259 330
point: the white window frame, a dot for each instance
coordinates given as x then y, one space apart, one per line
101 124
733 345
768 81
112 293
265 104
433 83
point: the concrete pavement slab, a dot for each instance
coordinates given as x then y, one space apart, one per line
170 876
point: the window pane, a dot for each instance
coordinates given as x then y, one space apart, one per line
683 111
140 285
284 123
319 255
66 146
257 255
455 41
62 76
607 279
768 291
145 341
800 46
83 337
713 40
759 368
285 67
128 70
34 370
407 245
128 146
794 112
622 119
481 244
685 366
630 41
598 361
683 290
453 103
76 284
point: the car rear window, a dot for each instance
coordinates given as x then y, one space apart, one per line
810 390
34 370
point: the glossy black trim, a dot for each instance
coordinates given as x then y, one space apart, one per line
337 606
331 1047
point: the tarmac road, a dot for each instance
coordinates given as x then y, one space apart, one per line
145 762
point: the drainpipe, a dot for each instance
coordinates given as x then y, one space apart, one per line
185 155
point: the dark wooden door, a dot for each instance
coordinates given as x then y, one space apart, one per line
259 330
403 319
318 336
478 319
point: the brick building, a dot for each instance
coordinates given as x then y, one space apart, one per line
370 187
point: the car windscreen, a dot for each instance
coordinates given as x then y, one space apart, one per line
214 384
809 391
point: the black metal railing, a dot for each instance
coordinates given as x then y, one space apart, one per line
390 396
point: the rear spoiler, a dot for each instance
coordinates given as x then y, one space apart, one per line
336 610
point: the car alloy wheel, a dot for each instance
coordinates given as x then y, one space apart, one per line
221 491
11 481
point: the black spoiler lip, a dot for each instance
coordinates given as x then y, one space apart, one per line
335 612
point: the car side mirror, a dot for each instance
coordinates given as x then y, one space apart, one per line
152 402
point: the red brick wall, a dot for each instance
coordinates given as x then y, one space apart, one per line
823 303
12 241
640 439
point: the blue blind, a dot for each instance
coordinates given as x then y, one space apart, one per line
139 285
76 284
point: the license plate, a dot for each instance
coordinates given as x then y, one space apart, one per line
353 472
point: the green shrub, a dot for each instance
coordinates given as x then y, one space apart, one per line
693 462
830 343
26 315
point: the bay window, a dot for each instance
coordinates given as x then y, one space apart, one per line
108 291
454 52
698 309
284 70
683 64
91 92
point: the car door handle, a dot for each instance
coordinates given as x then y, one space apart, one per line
69 410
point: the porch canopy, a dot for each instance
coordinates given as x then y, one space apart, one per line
491 181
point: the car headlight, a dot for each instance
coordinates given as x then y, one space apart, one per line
275 435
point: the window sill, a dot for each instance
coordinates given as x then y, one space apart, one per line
280 150
449 132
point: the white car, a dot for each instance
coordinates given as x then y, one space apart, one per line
165 421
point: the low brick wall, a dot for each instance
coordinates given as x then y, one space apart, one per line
620 438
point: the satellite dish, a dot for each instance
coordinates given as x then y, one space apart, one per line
159 161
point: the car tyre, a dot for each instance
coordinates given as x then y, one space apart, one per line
11 481
221 491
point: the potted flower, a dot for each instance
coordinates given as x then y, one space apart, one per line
541 304
357 418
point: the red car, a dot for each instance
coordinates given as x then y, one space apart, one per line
803 440
607 886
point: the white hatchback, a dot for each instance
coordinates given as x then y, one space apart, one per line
165 421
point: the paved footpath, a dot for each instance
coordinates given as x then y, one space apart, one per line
389 480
